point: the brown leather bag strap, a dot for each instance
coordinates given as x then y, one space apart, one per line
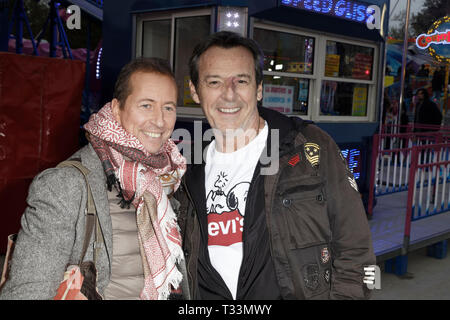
91 212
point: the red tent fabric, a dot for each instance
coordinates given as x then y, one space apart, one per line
40 100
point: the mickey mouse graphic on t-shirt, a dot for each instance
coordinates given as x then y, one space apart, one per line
226 211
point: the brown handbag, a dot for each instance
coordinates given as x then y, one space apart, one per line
85 285
7 263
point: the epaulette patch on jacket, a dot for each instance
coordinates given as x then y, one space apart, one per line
312 153
352 181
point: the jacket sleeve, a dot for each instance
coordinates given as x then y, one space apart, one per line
47 235
351 241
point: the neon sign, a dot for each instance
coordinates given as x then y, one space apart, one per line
423 41
436 39
350 10
353 157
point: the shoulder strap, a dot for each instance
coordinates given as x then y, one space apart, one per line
90 205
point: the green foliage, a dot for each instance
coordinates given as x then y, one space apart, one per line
421 21
432 11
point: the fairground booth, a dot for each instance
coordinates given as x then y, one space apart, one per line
323 59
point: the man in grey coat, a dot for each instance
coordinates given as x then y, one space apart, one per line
128 153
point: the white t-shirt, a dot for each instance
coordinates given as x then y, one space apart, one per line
227 179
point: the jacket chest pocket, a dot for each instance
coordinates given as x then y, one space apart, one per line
302 212
302 192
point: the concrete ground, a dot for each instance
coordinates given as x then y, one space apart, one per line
427 279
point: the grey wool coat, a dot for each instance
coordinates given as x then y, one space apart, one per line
53 227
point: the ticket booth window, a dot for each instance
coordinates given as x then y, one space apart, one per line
347 79
316 76
173 36
343 99
286 52
156 39
348 61
288 66
188 32
288 95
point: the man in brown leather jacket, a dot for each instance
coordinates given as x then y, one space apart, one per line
305 234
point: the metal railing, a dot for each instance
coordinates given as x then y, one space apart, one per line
430 171
391 159
413 127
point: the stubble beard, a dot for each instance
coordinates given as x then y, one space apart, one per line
232 139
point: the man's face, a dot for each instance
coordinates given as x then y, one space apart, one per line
227 88
149 112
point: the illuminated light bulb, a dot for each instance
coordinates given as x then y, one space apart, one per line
97 73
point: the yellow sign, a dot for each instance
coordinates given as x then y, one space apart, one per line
299 67
332 65
388 81
359 105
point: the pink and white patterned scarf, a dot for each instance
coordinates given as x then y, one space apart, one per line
138 175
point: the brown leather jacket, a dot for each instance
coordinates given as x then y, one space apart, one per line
320 239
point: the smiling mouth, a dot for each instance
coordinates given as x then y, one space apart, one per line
229 110
153 134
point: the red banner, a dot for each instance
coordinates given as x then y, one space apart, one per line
40 103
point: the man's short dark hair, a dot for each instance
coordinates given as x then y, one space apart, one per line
122 88
227 40
425 93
